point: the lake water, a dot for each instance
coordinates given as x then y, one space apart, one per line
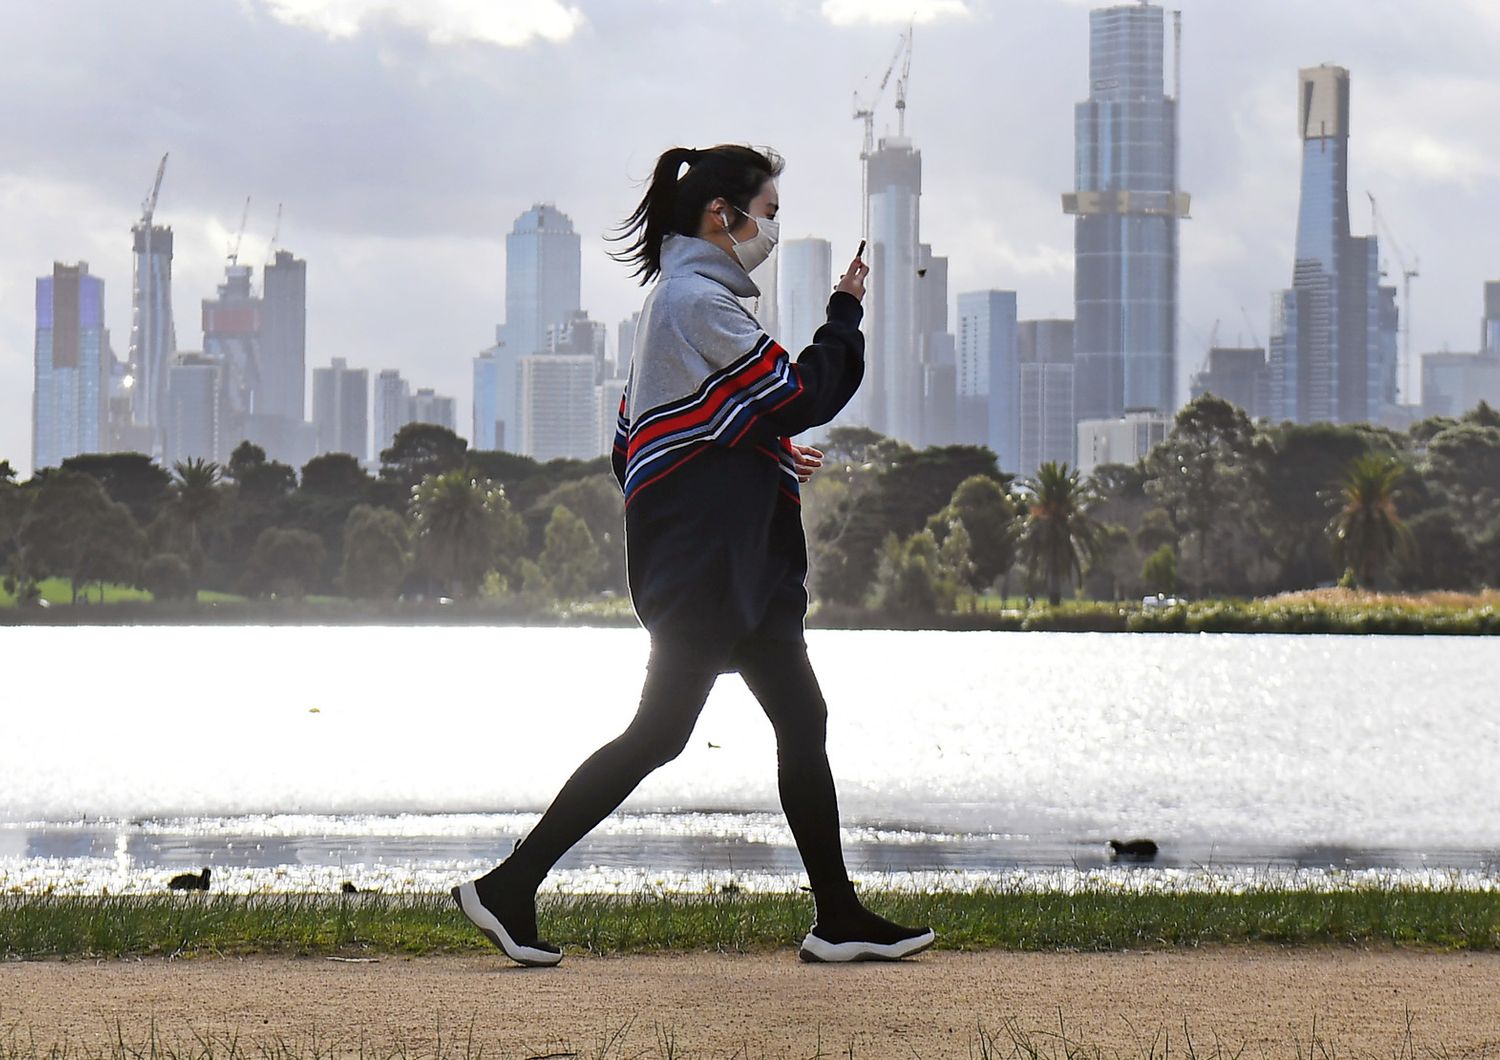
293 758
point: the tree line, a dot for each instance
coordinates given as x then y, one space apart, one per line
1225 506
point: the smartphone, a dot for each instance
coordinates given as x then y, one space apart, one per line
860 253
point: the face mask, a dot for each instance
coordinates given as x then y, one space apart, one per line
755 250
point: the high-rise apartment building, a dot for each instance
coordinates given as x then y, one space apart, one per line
70 395
806 282
495 424
192 416
1126 206
341 409
559 406
392 407
231 336
1046 426
625 342
1489 336
1333 345
577 334
937 394
892 387
988 378
542 276
427 406
283 338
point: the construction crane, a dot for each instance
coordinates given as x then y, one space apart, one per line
1254 338
901 87
234 248
1408 273
275 234
865 111
148 207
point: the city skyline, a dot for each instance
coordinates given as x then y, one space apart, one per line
997 223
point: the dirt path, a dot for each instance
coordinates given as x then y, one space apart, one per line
772 1005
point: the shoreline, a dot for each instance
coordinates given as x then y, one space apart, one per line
1253 617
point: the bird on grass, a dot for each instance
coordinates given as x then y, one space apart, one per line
189 881
1140 849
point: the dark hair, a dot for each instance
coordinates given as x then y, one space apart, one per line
673 204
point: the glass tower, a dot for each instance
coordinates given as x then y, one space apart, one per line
1127 206
893 384
70 394
542 269
1333 332
153 338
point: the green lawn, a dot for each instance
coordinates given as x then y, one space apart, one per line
34 926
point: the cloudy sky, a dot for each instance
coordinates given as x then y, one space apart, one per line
403 138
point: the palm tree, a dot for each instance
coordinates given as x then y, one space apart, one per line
1366 532
1059 532
459 525
195 499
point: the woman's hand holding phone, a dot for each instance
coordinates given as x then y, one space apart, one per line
853 280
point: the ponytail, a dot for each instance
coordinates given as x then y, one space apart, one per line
675 204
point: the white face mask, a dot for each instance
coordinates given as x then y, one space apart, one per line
755 250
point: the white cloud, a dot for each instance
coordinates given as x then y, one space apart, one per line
876 12
510 24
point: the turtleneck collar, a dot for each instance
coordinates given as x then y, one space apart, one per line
689 254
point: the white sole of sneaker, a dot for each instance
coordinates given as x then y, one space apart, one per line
819 950
468 900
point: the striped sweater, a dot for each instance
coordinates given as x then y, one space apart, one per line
714 544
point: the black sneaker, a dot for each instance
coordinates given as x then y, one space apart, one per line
530 952
867 938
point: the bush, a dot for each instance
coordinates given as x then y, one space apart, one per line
166 576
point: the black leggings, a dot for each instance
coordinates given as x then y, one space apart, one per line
780 675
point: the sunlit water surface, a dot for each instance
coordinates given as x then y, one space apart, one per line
408 758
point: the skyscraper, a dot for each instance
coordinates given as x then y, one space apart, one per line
937 393
1238 374
559 414
283 339
988 379
542 269
70 395
1127 206
153 336
392 407
1046 426
494 402
1489 337
192 414
625 343
1332 351
893 379
577 334
428 406
806 282
341 409
231 336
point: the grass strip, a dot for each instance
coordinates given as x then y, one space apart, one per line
1087 919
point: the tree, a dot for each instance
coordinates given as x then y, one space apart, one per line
1059 532
74 531
464 526
989 514
259 481
909 581
195 500
376 553
1202 473
1159 573
335 475
132 479
419 450
166 576
7 473
1112 562
1367 533
285 562
597 501
570 560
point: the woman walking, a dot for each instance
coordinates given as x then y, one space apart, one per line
716 558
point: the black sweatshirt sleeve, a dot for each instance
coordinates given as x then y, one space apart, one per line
826 374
